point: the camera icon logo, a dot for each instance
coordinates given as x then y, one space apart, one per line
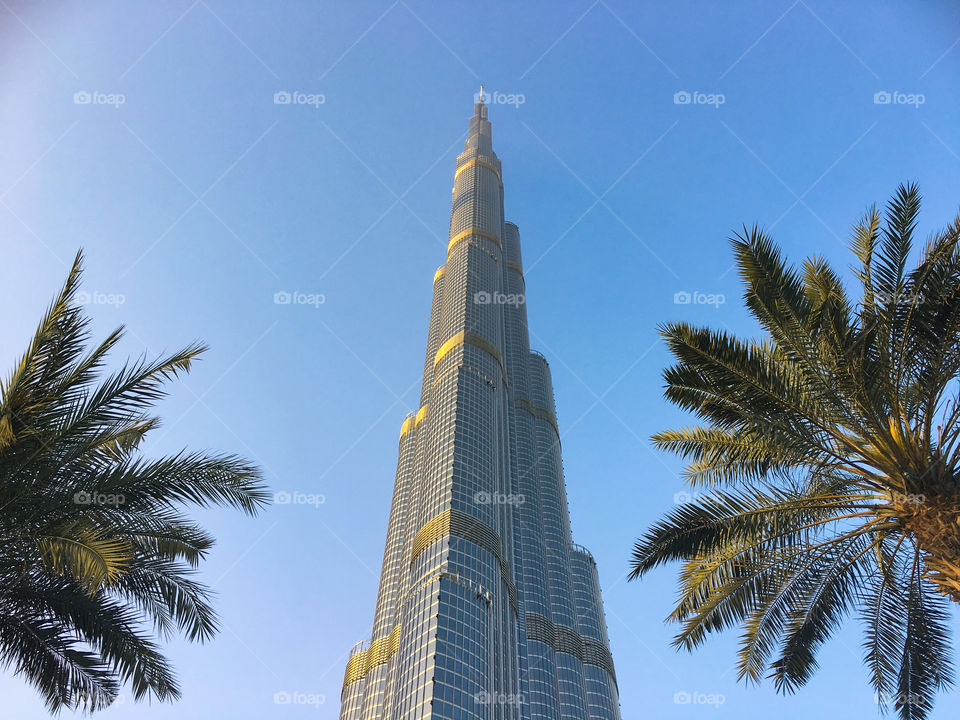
282 297
681 298
482 298
82 498
682 97
281 498
281 698
281 98
82 98
681 698
881 98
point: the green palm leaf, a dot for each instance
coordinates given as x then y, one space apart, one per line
94 544
81 553
831 450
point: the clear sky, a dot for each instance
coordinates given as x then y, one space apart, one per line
197 198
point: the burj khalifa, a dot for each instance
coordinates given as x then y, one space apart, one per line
486 609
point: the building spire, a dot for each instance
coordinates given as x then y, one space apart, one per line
479 136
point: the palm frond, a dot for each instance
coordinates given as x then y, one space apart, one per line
95 548
829 454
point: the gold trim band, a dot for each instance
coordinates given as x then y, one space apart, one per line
469 232
516 266
541 413
588 650
477 162
454 522
439 273
413 421
379 652
467 338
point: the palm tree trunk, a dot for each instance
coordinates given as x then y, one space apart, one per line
934 522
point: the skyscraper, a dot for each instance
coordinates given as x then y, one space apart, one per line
486 609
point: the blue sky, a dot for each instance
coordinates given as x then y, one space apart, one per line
197 198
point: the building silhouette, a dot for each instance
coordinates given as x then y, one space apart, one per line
486 609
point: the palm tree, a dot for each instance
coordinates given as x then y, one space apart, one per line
94 547
830 448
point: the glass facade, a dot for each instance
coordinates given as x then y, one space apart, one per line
486 609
